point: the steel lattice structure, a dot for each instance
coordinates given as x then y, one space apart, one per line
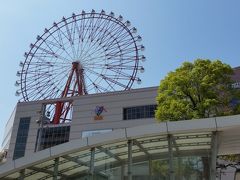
82 54
105 46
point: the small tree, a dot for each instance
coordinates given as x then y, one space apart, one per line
200 89
196 90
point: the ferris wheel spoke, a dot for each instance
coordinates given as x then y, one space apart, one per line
70 38
123 44
122 74
88 55
79 35
115 34
103 36
47 44
115 38
97 25
62 35
35 87
86 27
98 87
58 44
42 75
49 52
114 81
91 27
122 41
44 69
92 83
47 91
122 62
99 59
106 78
60 39
128 49
106 26
96 54
111 66
88 47
52 54
104 47
33 94
119 53
98 29
98 43
110 85
59 74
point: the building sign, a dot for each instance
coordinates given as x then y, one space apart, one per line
98 111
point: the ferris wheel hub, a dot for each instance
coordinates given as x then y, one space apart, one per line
77 65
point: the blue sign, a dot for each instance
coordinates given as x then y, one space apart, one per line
99 110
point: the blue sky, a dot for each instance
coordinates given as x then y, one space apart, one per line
173 31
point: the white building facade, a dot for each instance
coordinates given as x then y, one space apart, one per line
123 141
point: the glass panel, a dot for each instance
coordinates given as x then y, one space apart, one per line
22 135
159 169
139 112
149 157
109 161
52 136
140 171
191 168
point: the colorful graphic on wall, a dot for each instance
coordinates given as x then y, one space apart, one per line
98 111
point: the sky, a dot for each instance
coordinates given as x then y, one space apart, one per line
173 31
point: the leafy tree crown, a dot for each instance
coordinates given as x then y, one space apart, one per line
196 90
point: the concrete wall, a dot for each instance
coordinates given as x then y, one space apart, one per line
8 131
32 110
84 112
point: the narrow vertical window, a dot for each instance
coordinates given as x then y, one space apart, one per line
22 135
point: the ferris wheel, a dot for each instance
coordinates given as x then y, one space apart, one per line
83 54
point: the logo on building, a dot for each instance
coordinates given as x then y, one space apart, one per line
98 111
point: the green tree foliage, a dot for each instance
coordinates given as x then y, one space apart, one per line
185 168
196 90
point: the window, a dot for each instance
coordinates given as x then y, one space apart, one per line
139 112
21 139
52 136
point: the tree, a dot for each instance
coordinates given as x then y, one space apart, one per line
196 90
185 168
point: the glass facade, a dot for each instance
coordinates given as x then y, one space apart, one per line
139 112
22 135
160 157
52 136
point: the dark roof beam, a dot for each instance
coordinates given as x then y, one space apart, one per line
45 171
109 153
135 142
76 160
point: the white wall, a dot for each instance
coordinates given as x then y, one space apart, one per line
84 112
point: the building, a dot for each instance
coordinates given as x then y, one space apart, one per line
236 77
121 110
114 136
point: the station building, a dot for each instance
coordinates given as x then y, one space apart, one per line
114 136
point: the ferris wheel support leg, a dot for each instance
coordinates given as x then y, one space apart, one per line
58 112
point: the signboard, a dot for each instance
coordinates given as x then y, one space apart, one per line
98 111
